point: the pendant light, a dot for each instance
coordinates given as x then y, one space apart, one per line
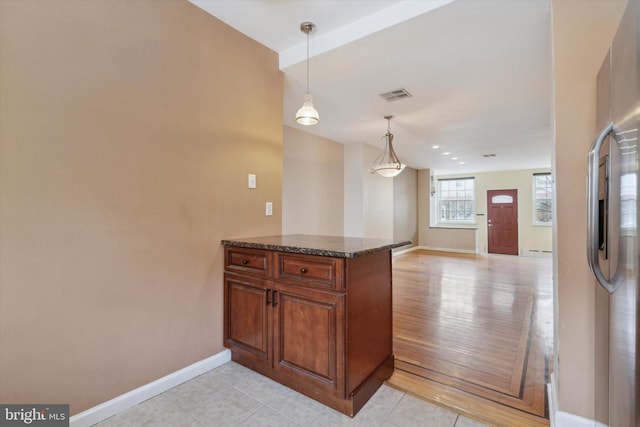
307 115
387 164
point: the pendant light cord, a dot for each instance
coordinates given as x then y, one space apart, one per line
307 115
308 31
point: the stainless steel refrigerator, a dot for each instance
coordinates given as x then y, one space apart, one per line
613 242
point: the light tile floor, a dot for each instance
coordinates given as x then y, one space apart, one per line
232 395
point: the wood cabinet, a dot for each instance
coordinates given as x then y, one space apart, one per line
318 324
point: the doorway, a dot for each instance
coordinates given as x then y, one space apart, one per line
502 222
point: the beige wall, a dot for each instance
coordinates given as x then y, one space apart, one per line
124 161
582 32
405 207
327 189
354 163
312 185
532 240
368 198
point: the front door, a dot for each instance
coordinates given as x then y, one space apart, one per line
502 221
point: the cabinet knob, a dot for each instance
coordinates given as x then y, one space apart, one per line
303 270
245 261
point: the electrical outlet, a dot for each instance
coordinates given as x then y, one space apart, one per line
268 211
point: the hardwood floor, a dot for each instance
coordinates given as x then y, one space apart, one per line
474 332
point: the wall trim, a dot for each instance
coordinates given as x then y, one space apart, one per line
430 248
536 253
405 251
127 400
553 399
565 419
460 251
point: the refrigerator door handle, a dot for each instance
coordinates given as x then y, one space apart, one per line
593 178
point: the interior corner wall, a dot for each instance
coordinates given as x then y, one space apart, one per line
424 205
368 198
124 156
353 190
312 184
582 33
405 206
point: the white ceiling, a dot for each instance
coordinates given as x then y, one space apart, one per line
479 72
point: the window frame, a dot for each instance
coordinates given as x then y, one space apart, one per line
549 189
473 200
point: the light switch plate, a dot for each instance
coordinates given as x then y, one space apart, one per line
268 211
252 180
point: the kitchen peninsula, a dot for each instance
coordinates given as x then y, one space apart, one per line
313 313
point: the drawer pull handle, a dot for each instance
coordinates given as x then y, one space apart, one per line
303 270
245 261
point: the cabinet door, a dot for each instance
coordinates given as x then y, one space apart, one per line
247 316
309 337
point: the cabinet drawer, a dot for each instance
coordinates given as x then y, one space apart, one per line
315 271
248 261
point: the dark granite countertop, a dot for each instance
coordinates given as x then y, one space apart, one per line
334 246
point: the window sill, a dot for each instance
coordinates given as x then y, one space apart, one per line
456 226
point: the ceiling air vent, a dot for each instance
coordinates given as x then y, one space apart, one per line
488 155
396 95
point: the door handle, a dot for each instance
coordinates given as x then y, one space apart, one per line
268 293
274 301
593 178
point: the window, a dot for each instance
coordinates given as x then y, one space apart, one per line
542 199
456 201
503 198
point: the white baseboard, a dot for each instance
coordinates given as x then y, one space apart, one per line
459 251
534 253
125 401
565 419
553 399
430 248
404 251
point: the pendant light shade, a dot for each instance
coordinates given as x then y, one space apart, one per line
307 115
387 164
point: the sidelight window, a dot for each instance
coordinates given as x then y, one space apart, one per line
542 198
456 201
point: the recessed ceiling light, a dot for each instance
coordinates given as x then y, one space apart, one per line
454 158
435 146
446 153
461 163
